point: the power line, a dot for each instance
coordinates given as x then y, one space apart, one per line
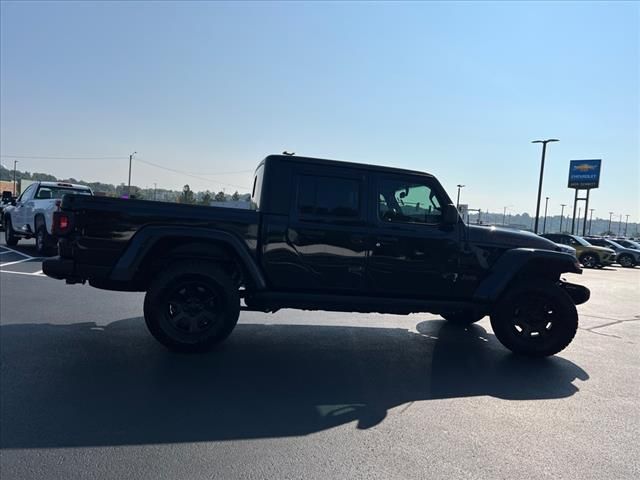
51 157
182 172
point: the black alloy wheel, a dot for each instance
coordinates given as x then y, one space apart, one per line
537 320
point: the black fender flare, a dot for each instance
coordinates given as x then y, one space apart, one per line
147 237
515 263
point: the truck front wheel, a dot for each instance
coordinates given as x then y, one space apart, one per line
535 320
191 306
10 237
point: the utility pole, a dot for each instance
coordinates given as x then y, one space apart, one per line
154 191
561 216
590 218
15 162
609 228
504 214
626 224
544 225
458 199
544 151
129 184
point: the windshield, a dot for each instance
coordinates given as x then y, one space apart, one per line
614 244
581 241
59 192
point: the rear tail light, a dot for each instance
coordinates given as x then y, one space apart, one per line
61 223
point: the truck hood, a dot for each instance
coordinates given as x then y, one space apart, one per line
506 237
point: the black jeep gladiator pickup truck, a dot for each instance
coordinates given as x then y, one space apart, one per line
322 235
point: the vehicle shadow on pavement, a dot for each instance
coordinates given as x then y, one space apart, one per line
82 385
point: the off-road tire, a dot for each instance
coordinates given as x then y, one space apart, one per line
191 306
10 237
535 320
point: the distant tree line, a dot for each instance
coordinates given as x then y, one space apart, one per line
186 195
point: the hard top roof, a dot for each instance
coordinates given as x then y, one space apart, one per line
339 163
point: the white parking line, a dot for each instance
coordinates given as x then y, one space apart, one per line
18 261
2 253
37 274
16 251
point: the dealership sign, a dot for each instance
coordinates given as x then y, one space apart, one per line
584 174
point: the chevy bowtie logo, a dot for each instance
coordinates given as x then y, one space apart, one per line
585 167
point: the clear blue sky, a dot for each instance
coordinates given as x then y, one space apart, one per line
456 89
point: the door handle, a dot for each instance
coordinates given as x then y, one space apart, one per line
386 241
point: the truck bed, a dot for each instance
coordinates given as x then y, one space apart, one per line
104 226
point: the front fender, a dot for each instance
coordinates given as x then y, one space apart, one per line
521 263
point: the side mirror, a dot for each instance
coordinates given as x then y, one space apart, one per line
450 215
13 202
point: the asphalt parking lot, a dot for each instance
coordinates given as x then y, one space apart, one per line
85 392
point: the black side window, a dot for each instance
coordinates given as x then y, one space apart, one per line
408 201
328 197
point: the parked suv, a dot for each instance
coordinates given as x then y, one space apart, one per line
626 257
324 235
31 214
590 256
626 243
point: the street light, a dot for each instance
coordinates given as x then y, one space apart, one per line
15 162
626 224
504 212
590 218
129 184
609 228
458 199
544 225
620 225
561 216
544 151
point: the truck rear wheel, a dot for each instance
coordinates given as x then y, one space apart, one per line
535 320
191 306
44 242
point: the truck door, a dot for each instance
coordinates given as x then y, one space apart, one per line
413 253
23 213
327 231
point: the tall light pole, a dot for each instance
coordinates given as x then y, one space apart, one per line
458 199
154 191
504 212
561 216
626 224
544 224
15 162
620 225
579 212
544 151
590 218
609 228
129 184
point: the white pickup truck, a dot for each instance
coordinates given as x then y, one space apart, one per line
31 214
